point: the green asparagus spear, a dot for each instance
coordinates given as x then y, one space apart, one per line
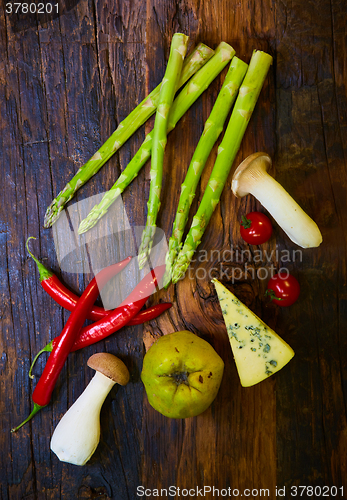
174 67
213 128
244 106
126 128
190 93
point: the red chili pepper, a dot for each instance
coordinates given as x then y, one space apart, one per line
149 313
67 299
44 388
105 327
120 316
58 291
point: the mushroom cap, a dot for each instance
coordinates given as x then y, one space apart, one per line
247 173
110 366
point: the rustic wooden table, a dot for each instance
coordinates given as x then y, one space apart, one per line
66 81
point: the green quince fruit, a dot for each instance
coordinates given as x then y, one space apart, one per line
181 374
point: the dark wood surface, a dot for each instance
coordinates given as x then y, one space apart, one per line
65 83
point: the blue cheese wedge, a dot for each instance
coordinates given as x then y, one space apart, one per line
258 351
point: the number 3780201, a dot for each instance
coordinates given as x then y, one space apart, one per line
31 8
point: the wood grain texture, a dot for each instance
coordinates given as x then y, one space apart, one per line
65 83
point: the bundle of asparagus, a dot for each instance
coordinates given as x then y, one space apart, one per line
125 130
243 109
190 93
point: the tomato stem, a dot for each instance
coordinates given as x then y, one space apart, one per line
272 295
246 223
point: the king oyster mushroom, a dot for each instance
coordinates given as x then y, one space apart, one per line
77 435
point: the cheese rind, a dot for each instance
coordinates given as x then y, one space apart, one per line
258 351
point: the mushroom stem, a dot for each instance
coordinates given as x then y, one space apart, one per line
251 177
300 228
77 435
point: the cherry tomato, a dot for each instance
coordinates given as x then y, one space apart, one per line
284 289
255 228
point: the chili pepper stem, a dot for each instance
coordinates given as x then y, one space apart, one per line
36 409
44 272
47 348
